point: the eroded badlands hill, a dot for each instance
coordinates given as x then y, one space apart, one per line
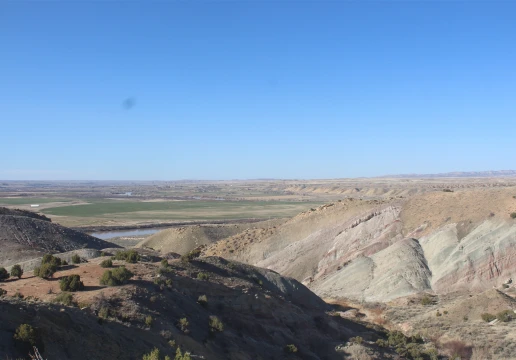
381 250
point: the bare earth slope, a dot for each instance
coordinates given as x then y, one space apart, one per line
378 251
184 239
23 238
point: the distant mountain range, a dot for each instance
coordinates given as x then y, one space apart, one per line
459 174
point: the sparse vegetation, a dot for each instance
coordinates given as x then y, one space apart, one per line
64 298
356 340
149 321
26 333
4 275
215 324
427 300
76 259
203 276
108 263
488 317
505 315
71 283
45 271
155 355
203 300
130 256
183 325
52 260
191 255
291 349
16 271
180 356
116 277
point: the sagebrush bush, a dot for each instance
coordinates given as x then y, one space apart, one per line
2 292
215 324
203 276
191 255
26 333
71 283
76 259
16 271
183 325
149 320
64 298
4 275
513 215
291 349
155 355
130 256
115 277
356 340
427 300
203 300
107 263
505 316
488 317
164 263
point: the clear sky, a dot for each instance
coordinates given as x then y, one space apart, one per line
166 90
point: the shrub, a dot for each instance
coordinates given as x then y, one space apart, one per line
488 317
447 190
427 300
164 263
46 270
183 325
506 286
457 349
71 283
130 256
76 259
64 263
203 276
356 340
16 271
26 333
202 300
107 263
513 215
4 275
52 260
154 355
438 313
64 298
149 320
291 348
215 324
191 255
180 356
116 277
505 316
2 292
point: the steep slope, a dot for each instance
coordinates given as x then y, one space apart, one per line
181 240
260 311
23 238
377 251
19 212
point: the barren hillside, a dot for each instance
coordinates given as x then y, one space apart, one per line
184 239
380 250
23 238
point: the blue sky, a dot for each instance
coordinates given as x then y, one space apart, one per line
248 89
